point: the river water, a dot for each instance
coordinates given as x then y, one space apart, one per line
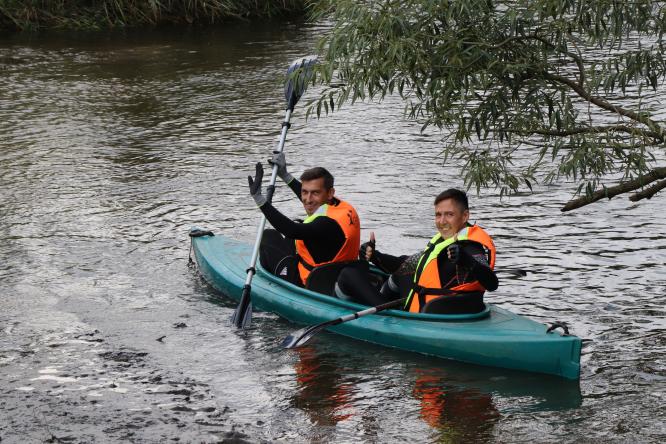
113 146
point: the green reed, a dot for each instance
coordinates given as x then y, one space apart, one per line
17 15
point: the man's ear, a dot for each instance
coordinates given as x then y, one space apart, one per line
331 193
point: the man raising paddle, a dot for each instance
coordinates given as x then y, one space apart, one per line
330 233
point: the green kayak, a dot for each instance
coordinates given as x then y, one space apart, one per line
494 337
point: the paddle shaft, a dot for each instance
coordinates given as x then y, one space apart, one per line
300 337
242 312
367 311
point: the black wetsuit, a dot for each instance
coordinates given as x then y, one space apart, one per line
323 238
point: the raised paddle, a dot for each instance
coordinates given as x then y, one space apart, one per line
298 75
300 337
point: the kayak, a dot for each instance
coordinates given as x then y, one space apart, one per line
494 337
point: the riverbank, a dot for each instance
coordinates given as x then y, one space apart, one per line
34 15
66 371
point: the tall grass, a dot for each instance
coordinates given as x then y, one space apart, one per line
16 15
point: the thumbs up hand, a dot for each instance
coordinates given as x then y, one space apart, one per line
367 250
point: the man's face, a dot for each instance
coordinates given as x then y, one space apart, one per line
314 195
450 217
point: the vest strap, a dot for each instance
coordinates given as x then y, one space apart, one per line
423 291
419 269
305 264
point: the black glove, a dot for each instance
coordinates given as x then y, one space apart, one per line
457 255
255 185
280 161
363 251
454 253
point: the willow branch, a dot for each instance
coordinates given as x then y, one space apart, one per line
520 39
589 130
575 57
625 187
648 192
571 146
601 103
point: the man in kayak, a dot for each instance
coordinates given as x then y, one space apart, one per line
330 233
449 276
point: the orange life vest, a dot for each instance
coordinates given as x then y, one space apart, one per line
427 284
347 218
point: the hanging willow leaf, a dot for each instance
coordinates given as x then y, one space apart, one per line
525 73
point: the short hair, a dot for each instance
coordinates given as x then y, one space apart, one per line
319 173
459 197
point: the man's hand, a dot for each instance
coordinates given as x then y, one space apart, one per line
367 250
255 185
454 253
458 256
280 161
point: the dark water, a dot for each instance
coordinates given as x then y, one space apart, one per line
112 147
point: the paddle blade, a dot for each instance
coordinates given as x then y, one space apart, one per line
242 317
300 337
245 320
512 271
298 75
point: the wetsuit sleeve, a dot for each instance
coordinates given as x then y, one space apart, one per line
318 228
295 186
474 257
387 262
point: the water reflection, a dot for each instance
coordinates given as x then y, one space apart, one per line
322 391
350 384
458 414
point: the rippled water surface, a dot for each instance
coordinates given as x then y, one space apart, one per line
113 146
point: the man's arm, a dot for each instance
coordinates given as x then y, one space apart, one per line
295 186
323 236
280 161
387 262
473 256
296 230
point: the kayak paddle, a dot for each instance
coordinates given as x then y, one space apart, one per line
299 73
300 337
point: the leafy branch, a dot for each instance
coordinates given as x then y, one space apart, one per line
503 77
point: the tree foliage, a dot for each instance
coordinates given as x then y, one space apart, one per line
562 83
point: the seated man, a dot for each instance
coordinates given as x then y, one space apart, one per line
449 276
330 233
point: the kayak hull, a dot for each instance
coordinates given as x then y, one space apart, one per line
495 337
